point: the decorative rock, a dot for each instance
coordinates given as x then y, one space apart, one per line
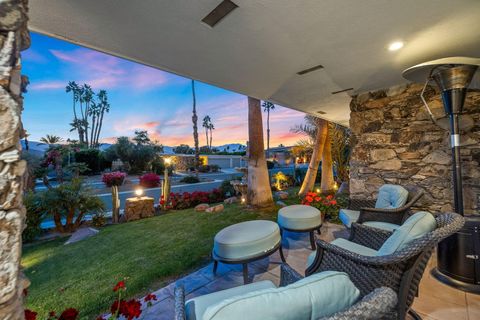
438 157
215 209
81 234
138 208
202 207
388 165
282 195
228 201
396 90
281 203
382 154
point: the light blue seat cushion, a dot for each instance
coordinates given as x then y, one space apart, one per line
382 225
413 228
348 216
299 217
391 196
195 308
313 297
246 239
348 245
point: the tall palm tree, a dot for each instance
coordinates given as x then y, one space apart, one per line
50 139
195 128
267 107
104 108
207 123
87 98
75 89
211 127
259 192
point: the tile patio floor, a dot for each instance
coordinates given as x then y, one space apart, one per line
436 301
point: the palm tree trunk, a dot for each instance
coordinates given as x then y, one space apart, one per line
259 192
115 205
195 129
58 222
327 165
211 137
99 127
268 133
206 137
309 181
92 131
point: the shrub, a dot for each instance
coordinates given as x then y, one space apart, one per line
214 168
227 189
115 178
35 215
204 168
179 201
91 158
98 219
270 164
190 179
150 180
158 166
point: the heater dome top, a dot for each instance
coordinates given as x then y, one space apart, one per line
420 72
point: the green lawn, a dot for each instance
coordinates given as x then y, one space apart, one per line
148 252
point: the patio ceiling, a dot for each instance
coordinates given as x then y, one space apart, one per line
258 49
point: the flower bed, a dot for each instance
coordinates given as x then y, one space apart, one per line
150 180
327 205
186 200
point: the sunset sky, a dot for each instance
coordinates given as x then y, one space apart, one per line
140 97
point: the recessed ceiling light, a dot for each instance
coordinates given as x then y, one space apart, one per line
394 46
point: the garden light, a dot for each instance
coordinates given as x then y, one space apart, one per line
139 192
168 161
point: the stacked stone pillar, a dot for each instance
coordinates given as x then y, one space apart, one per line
14 38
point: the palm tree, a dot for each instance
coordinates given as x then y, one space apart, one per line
267 107
86 97
50 139
259 192
104 108
206 124
75 89
211 128
195 129
321 134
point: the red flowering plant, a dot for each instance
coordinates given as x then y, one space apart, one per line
150 180
115 178
120 308
185 200
327 205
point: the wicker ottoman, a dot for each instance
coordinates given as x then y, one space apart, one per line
300 218
244 242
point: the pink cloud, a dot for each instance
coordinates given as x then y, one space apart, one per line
45 85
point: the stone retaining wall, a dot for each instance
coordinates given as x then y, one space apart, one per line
395 141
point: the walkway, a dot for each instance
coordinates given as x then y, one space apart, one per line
436 301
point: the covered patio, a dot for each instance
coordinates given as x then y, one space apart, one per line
341 61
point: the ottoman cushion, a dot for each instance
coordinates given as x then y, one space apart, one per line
246 239
299 217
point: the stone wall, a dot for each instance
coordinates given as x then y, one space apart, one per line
395 141
14 37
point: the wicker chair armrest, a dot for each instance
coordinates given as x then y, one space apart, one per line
378 304
395 216
179 294
368 236
357 204
288 275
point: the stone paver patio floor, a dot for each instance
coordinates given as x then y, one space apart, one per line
436 301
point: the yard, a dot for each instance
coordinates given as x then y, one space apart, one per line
149 253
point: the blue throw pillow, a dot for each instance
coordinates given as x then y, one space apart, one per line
391 196
413 228
319 295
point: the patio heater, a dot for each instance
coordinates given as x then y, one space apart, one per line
458 257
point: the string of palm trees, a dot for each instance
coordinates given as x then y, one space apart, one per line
89 109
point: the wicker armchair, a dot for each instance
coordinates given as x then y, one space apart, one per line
400 271
379 304
368 212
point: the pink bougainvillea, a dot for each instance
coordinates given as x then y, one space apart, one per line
150 180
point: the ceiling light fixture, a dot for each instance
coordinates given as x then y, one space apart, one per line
220 12
301 73
394 46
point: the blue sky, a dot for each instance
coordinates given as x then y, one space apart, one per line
140 97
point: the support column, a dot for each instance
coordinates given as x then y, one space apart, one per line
14 37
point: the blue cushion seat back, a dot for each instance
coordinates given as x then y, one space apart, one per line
391 196
319 295
413 228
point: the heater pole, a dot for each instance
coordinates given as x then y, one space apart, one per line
457 164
